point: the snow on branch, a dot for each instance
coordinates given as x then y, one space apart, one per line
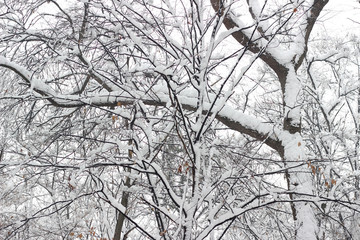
229 116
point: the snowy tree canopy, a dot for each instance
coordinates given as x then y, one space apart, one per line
184 119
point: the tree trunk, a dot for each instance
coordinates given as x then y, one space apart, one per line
125 196
299 181
121 217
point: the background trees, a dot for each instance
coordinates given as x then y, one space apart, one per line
176 120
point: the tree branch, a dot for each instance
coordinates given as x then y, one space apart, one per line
244 40
230 117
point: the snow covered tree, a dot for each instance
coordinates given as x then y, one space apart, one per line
331 126
187 119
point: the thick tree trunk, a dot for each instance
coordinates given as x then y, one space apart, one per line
292 150
121 217
125 196
300 180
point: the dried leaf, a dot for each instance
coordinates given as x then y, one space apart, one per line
71 187
313 169
333 181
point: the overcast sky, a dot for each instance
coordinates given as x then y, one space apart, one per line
338 15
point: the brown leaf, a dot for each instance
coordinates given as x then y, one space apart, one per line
313 169
333 181
71 187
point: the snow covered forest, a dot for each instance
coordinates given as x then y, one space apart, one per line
180 119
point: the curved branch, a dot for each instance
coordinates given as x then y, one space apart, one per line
240 36
229 116
315 11
244 40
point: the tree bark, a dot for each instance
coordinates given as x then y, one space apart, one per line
124 198
292 148
121 217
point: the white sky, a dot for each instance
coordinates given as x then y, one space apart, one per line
337 17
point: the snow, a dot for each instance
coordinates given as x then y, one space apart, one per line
194 201
186 98
307 223
292 95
